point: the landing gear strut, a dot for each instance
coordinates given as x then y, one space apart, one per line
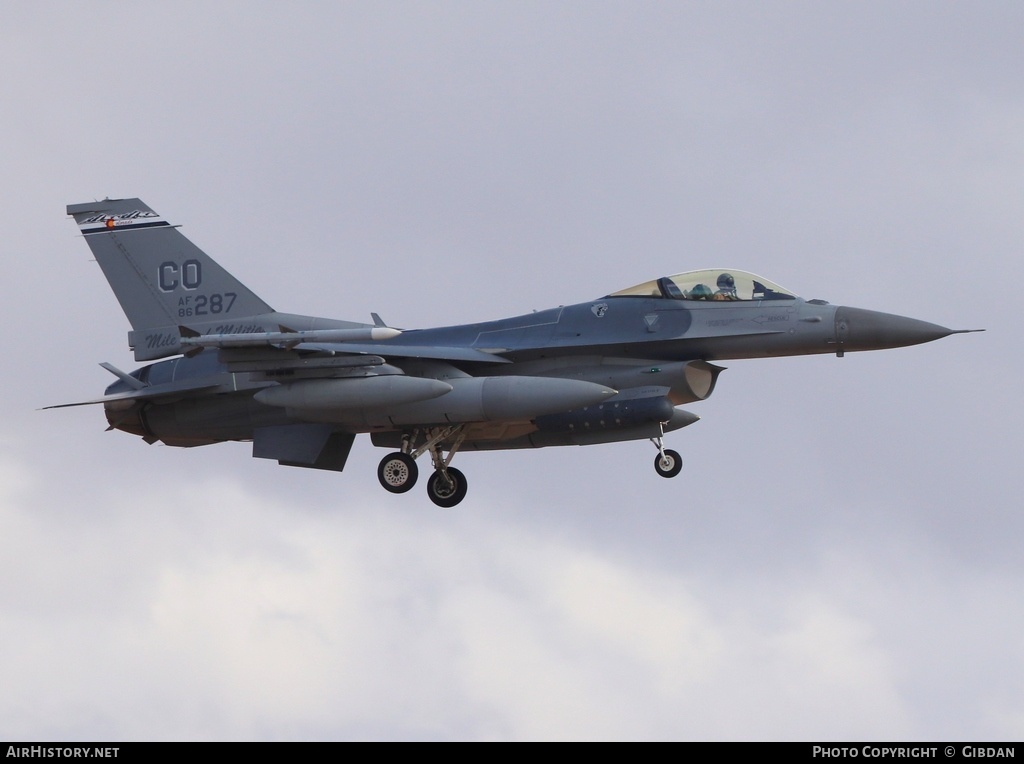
667 463
446 487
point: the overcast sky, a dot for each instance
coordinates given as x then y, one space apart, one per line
841 556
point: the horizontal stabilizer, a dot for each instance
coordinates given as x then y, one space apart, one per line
173 390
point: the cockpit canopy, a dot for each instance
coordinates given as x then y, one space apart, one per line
719 285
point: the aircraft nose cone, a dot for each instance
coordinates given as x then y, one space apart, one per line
858 329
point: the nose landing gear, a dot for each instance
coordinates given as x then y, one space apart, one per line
667 463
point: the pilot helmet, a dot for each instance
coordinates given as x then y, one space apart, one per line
727 283
700 292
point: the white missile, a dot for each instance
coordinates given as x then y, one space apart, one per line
257 339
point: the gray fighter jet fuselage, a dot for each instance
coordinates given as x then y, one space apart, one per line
300 388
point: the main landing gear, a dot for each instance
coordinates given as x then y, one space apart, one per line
397 472
446 487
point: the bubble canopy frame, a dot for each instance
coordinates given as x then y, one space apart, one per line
711 284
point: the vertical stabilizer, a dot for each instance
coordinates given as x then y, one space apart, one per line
161 279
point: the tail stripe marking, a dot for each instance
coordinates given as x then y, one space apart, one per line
120 227
105 222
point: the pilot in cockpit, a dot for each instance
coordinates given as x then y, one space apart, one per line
726 288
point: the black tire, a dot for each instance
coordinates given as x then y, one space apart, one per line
397 472
670 465
447 492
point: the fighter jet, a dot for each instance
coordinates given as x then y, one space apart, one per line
228 367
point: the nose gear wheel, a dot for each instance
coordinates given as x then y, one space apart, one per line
667 463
